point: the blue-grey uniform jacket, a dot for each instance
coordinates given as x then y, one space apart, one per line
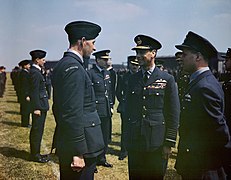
38 94
78 124
101 82
203 130
153 109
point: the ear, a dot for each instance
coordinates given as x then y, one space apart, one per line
154 52
36 60
83 41
198 56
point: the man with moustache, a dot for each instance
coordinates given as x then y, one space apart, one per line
153 111
102 84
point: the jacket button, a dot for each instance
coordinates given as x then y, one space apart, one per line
187 150
144 88
144 97
157 94
143 115
93 124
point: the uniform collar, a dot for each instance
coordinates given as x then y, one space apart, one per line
197 73
37 66
150 71
76 53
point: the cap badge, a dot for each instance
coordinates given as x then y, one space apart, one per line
139 41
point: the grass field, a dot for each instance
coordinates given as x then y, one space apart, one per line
14 147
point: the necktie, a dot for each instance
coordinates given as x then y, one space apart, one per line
145 78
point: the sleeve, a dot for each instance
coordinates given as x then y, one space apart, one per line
213 105
119 88
35 83
171 113
72 105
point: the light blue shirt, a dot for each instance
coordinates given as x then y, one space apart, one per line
197 73
148 71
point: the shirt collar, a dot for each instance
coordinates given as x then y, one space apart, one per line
37 66
76 53
148 71
198 72
99 68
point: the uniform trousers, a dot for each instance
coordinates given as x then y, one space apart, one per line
25 113
66 172
146 165
106 131
124 128
36 132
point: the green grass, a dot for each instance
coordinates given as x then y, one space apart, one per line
14 147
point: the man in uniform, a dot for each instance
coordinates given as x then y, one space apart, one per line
101 81
39 105
153 111
24 93
2 80
203 131
227 91
182 77
79 138
121 94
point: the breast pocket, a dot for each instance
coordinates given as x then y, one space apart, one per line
156 97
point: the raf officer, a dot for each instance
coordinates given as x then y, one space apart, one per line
101 81
24 92
79 138
39 105
153 112
121 94
227 92
203 131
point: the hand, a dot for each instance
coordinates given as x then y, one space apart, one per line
37 112
28 98
166 152
78 163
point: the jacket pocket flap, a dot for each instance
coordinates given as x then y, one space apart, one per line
91 119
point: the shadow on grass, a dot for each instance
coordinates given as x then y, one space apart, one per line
12 112
12 152
10 101
11 123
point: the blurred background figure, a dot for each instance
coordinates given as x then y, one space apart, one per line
121 94
39 105
227 91
2 80
24 93
102 85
